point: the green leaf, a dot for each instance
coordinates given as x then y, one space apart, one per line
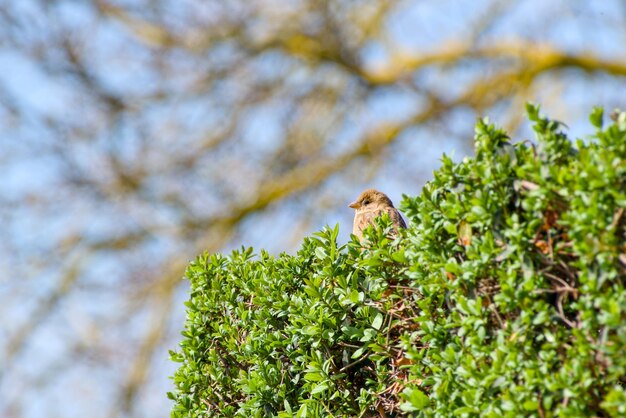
358 353
531 405
452 267
320 253
322 387
596 117
532 111
313 377
378 321
417 399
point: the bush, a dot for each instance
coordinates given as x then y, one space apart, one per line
505 297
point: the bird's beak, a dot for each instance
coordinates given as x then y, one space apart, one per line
354 205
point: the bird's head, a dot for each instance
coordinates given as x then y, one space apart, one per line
371 198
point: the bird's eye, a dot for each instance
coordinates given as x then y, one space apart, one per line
366 202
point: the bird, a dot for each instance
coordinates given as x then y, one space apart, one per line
368 206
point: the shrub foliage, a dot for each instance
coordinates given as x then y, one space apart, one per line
505 297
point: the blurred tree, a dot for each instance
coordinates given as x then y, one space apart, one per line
138 133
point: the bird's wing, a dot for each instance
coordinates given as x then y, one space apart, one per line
396 218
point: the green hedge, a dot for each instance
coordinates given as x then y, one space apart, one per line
505 297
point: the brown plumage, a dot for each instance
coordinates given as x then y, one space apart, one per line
368 206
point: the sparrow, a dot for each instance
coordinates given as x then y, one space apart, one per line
368 206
